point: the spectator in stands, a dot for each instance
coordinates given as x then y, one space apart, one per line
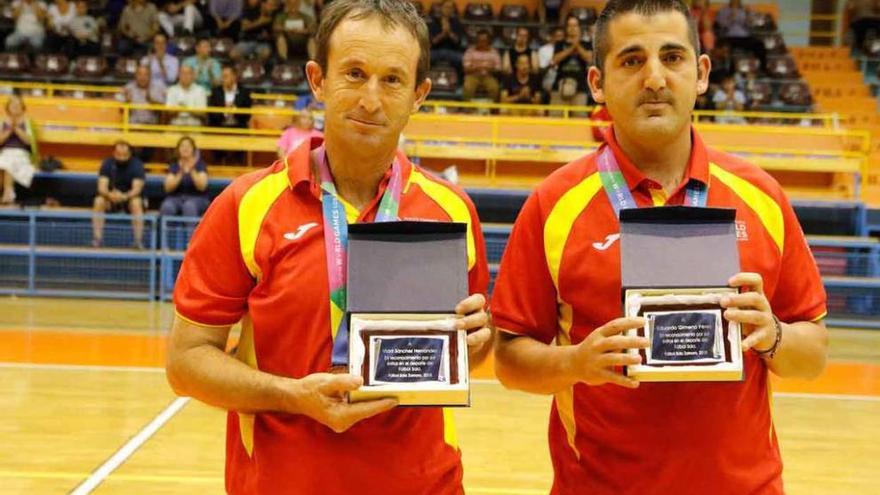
206 67
180 17
138 24
481 63
186 183
85 32
522 86
226 17
186 93
144 90
294 30
229 95
17 146
29 30
59 16
864 16
733 30
728 98
545 61
446 34
521 46
164 67
700 13
571 58
302 128
255 37
120 185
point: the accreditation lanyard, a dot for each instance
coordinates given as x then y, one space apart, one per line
336 246
696 193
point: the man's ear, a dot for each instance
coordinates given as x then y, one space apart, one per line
594 80
315 76
704 67
422 91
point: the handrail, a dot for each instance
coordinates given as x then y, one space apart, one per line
431 106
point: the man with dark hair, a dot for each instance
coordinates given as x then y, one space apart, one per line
266 254
120 187
560 281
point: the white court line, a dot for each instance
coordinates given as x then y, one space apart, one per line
130 447
798 395
82 367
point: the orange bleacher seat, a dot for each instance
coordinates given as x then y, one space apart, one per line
90 67
250 72
444 78
126 67
584 15
51 65
14 63
782 67
773 43
747 64
222 47
186 45
795 93
288 74
760 93
478 12
513 13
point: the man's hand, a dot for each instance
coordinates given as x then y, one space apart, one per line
475 320
596 356
321 396
117 196
752 311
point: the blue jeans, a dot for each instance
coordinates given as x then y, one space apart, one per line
184 204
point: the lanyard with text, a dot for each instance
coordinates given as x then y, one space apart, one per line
696 193
336 245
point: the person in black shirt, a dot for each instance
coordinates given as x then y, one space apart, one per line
520 47
120 184
255 36
446 35
522 86
572 57
186 183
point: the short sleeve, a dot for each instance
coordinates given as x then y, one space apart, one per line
106 169
213 285
200 166
524 297
800 294
173 168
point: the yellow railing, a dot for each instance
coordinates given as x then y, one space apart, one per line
442 106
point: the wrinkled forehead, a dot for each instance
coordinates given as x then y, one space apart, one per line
648 33
371 41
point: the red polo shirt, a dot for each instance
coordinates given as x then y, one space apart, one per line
258 257
560 279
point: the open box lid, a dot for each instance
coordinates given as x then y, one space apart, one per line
406 267
678 246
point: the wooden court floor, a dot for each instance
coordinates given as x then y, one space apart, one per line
86 409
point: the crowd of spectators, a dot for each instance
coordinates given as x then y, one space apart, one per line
478 47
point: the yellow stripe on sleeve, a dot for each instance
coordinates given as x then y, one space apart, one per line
452 204
758 201
252 211
561 219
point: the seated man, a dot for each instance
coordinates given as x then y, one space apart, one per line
186 93
85 32
481 63
522 86
144 90
255 36
137 26
120 184
229 95
179 17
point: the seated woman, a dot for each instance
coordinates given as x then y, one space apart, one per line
17 145
186 184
